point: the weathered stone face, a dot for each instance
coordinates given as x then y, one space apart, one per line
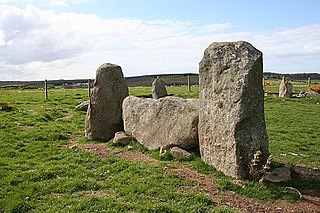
104 115
159 89
285 89
231 115
159 122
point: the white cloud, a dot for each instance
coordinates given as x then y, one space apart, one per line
7 1
39 44
63 3
66 3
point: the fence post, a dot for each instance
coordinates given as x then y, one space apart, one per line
89 88
309 82
45 89
189 86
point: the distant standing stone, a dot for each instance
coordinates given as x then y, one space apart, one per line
285 89
104 115
231 115
159 89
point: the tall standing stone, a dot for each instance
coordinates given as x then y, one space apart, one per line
231 116
104 115
158 89
285 89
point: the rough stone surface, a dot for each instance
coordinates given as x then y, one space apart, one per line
122 138
285 89
277 175
177 152
306 173
159 89
104 115
231 114
156 123
83 106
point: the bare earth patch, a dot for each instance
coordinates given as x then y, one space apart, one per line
227 199
67 116
230 199
25 128
99 149
33 112
136 156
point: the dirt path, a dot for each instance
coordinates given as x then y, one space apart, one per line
208 186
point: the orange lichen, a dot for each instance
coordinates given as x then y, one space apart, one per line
268 92
268 84
316 88
5 106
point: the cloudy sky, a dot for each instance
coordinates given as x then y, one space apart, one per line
68 39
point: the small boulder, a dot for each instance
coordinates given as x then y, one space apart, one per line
159 89
83 106
312 93
165 148
177 152
302 94
122 138
306 173
281 174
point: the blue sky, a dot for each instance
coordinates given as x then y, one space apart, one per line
67 39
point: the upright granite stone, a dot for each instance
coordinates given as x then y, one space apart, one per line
104 115
285 89
159 89
231 114
169 121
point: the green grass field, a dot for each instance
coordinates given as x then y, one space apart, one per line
36 174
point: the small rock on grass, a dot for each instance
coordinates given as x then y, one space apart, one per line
122 138
306 173
277 175
83 106
177 152
312 93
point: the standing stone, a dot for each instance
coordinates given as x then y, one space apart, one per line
231 115
285 89
104 115
158 89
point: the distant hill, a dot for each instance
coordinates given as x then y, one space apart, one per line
145 80
295 76
169 79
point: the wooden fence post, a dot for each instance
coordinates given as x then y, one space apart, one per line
309 82
189 86
46 89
